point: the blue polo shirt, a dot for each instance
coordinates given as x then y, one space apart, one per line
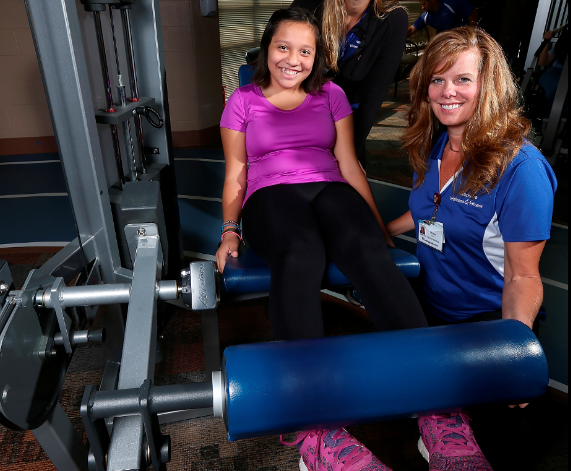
450 14
467 277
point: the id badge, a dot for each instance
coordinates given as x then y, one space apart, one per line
431 234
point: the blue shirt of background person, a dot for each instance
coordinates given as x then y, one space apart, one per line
444 15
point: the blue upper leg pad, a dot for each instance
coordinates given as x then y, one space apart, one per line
282 387
248 273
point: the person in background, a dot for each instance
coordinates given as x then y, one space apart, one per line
444 15
364 42
293 178
484 197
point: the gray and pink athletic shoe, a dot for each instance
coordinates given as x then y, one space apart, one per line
334 450
447 442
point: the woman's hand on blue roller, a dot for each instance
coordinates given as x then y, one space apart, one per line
523 289
228 248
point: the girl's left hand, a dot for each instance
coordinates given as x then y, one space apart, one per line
228 248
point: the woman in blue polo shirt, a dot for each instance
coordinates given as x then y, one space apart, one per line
481 205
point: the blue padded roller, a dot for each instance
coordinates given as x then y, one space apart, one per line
282 387
248 273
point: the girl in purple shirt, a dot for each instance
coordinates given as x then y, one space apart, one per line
293 178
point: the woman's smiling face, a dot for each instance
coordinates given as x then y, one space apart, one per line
454 94
291 55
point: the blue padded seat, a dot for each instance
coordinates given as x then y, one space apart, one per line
248 273
245 74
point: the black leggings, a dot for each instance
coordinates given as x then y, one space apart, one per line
296 229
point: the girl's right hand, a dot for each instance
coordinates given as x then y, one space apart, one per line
228 248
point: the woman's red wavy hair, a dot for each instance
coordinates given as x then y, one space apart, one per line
495 132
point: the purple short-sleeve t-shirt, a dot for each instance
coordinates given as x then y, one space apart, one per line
293 146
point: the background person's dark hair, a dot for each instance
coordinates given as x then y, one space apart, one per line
316 78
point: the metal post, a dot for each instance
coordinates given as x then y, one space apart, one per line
211 340
538 30
61 442
150 72
139 348
556 109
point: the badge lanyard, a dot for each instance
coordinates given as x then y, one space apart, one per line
431 232
437 199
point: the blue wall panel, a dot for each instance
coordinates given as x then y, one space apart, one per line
200 222
36 219
199 178
24 179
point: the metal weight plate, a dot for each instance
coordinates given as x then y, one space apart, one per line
30 383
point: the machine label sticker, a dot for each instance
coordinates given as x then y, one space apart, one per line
202 292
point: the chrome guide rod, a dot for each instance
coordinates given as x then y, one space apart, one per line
108 95
125 124
133 82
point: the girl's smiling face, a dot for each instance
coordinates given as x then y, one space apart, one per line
291 55
454 94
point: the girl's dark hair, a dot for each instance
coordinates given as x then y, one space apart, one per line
316 78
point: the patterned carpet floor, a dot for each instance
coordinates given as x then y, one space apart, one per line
535 439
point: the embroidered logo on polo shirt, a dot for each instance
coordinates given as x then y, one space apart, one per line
468 201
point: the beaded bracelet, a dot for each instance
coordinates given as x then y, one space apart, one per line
229 223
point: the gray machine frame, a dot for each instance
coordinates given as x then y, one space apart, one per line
60 48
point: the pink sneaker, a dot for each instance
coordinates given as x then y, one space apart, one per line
334 450
447 442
